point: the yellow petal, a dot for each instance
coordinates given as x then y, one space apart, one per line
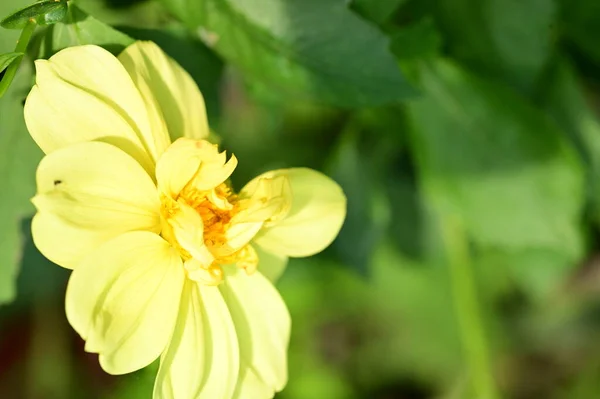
203 274
316 215
202 359
188 230
194 162
270 265
161 80
262 323
123 299
240 234
83 93
261 202
87 194
265 199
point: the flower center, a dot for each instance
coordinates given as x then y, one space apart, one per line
204 219
216 247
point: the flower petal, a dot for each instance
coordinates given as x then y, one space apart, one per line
188 230
314 220
270 265
83 93
123 300
196 163
262 323
87 194
161 80
202 359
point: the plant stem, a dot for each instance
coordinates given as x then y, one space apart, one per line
467 310
22 44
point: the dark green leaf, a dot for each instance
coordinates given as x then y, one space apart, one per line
506 169
316 49
378 11
368 211
419 40
34 268
17 177
582 25
510 38
43 12
80 28
7 59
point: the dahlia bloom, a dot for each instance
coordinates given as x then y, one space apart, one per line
167 258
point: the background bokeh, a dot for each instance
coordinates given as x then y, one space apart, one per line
466 136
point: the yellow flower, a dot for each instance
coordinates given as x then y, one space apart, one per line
167 259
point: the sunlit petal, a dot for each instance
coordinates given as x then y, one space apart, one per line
123 300
188 229
316 215
162 81
87 194
84 93
270 265
196 163
202 359
263 324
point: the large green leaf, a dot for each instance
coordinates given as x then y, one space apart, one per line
414 316
378 11
316 49
416 41
565 102
488 156
18 162
511 38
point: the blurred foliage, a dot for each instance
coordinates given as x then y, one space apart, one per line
425 112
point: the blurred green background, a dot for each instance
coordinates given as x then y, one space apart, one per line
466 136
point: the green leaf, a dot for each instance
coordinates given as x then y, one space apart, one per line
536 271
564 100
7 59
368 213
17 177
502 166
510 38
378 11
315 49
416 41
43 12
420 322
79 29
582 25
8 38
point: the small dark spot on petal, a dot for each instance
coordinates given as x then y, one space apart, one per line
57 182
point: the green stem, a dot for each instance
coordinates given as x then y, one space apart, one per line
22 44
467 309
